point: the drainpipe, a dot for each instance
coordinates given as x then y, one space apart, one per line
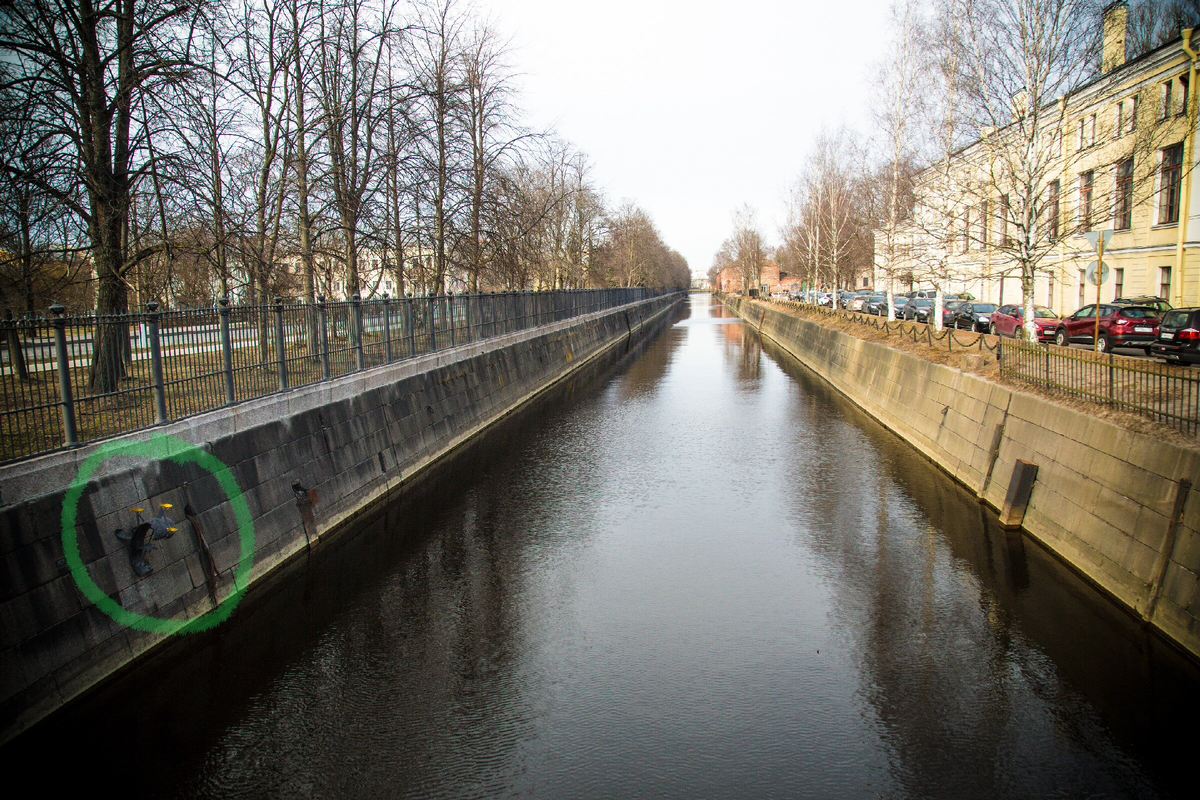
1186 189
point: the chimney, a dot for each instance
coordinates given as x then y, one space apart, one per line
1116 16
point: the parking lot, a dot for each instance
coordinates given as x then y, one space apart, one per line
1130 337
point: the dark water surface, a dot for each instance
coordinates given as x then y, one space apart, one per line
699 573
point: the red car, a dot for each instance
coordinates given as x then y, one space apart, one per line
1008 321
1120 326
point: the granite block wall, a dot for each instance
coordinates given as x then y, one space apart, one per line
353 441
1104 496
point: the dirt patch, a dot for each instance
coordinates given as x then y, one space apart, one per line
971 352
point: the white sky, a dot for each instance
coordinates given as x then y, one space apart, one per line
692 108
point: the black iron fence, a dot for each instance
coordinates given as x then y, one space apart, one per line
1167 394
72 379
1162 392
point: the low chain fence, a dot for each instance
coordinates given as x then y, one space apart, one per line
71 379
916 331
1164 393
1167 394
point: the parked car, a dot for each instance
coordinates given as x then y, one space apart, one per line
1157 303
860 299
1179 336
844 298
918 309
1008 321
825 299
1120 326
876 304
973 316
898 303
949 311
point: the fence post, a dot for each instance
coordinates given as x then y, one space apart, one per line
387 329
156 367
359 360
412 326
450 315
432 326
70 434
226 350
280 345
324 337
1111 394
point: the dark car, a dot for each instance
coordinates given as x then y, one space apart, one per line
918 309
898 303
1008 321
1120 326
1157 303
875 304
973 316
859 301
1179 336
949 310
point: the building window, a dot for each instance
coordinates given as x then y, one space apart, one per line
1164 282
1050 292
1166 98
984 223
1168 191
1183 94
1119 120
1086 182
1052 210
1091 130
1119 288
1124 211
1082 143
1082 283
1133 109
966 242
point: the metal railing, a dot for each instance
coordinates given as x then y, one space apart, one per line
1164 393
1167 394
73 379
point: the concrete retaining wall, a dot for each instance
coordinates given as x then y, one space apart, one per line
1104 496
354 440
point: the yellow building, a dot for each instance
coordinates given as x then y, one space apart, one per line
1121 156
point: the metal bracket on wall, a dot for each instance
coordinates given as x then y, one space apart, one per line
1019 490
1163 560
994 450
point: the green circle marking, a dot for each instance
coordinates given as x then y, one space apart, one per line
160 446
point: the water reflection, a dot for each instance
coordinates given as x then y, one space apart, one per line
985 658
697 572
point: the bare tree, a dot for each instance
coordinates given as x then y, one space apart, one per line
436 66
900 89
1022 58
937 198
81 69
352 80
485 111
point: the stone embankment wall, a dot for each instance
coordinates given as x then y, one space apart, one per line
1121 507
355 441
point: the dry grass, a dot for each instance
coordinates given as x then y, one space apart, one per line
920 340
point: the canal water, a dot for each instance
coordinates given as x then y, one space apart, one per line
695 573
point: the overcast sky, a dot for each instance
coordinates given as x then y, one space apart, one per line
693 108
